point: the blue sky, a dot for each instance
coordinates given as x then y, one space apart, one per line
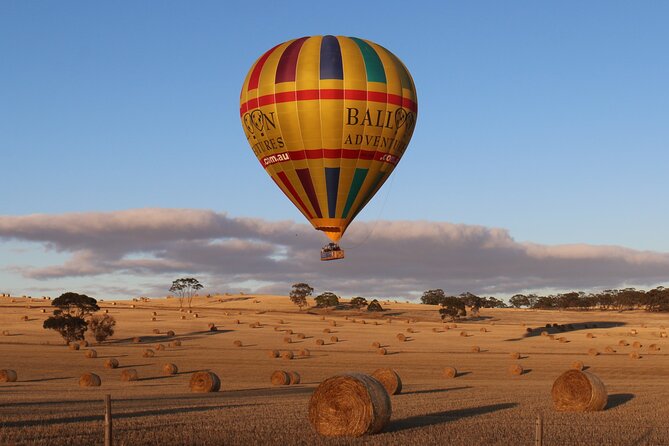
548 121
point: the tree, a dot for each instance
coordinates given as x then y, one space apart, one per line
452 307
299 293
519 300
359 302
101 326
327 299
374 305
69 316
185 288
433 297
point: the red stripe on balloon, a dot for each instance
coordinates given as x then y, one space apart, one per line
305 95
255 75
293 192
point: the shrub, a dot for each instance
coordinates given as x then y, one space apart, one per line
101 326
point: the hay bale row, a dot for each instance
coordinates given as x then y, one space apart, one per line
283 378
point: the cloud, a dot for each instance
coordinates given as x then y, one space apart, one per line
384 258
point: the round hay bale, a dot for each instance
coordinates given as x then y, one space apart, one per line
89 380
25 318
577 365
544 333
300 336
83 343
435 330
562 340
663 334
483 330
376 344
382 351
287 340
91 353
326 330
195 315
636 344
154 314
287 354
609 349
202 382
280 321
213 327
5 332
401 337
635 355
153 319
333 323
170 333
578 391
273 353
589 335
280 378
390 379
450 372
294 378
170 369
633 332
44 310
322 318
528 330
236 321
622 343
334 339
252 325
551 337
476 349
463 333
7 376
74 346
137 340
111 363
156 331
148 353
320 342
516 370
129 375
183 317
304 352
160 347
653 348
349 405
409 330
514 355
176 343
237 343
278 328
593 352
289 331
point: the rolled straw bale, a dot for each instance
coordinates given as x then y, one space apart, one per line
663 334
280 378
273 353
450 372
154 314
170 333
622 343
160 347
528 330
153 319
544 333
401 337
304 352
129 375
74 346
202 382
577 365
287 340
609 349
562 339
435 330
589 335
300 335
252 325
236 321
578 391
351 404
376 344
636 344
322 318
195 315
334 339
43 310
170 369
25 318
463 333
183 317
176 343
289 331
653 348
551 337
137 340
333 323
156 331
132 306
634 332
111 363
320 342
5 332
89 380
516 370
83 343
294 377
483 330
148 353
476 349
635 355
237 343
514 355
280 321
213 327
382 351
278 328
593 352
410 330
287 354
390 379
326 330
7 376
91 353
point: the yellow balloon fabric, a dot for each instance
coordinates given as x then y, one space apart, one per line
328 118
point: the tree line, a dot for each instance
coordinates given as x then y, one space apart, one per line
656 299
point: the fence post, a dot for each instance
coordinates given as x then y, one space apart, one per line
539 431
108 421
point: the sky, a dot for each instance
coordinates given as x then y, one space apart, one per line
538 161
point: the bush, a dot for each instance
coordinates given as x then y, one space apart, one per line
358 302
327 299
374 306
101 326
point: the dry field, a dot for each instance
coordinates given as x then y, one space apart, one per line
484 404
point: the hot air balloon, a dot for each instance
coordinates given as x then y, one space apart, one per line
328 118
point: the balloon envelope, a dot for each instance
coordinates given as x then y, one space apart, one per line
328 118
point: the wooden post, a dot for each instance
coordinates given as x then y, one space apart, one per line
539 432
108 421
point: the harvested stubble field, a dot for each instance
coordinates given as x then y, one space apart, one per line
484 404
